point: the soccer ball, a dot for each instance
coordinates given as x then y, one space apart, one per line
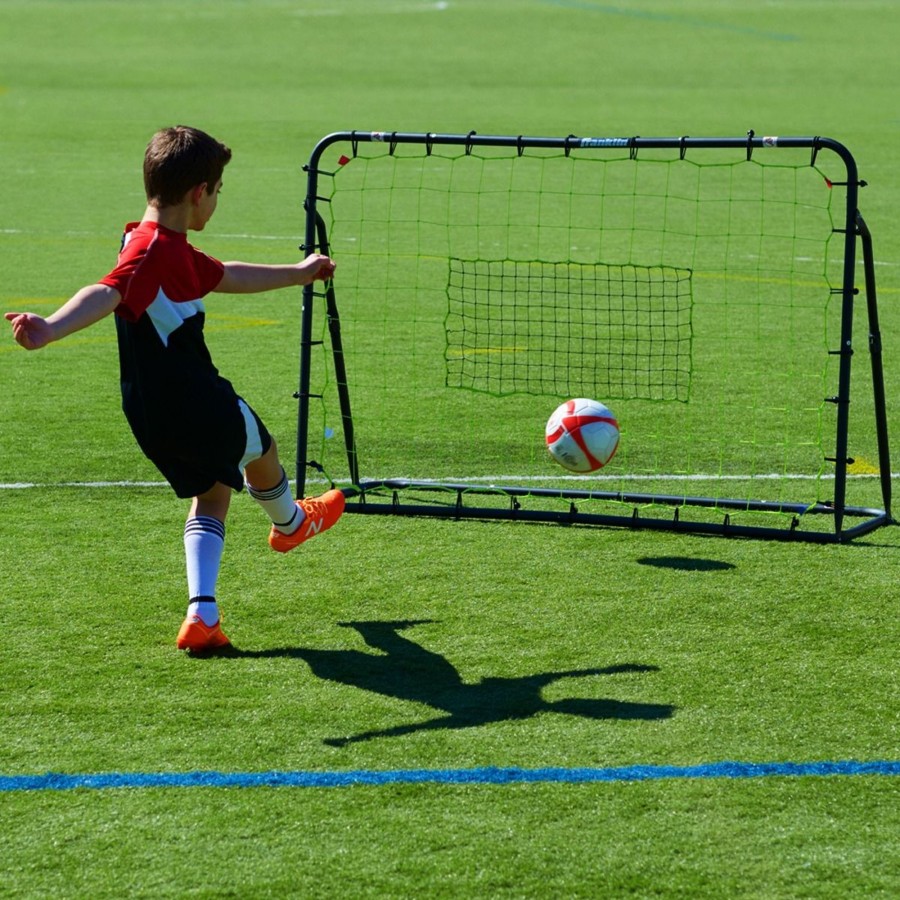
582 435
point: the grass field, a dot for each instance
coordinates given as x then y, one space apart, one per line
441 662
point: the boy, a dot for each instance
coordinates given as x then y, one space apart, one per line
186 418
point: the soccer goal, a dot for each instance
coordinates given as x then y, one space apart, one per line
704 289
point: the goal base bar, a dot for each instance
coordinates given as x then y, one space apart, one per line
465 501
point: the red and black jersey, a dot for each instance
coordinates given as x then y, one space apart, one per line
159 273
186 417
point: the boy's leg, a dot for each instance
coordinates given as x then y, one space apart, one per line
293 521
278 499
204 541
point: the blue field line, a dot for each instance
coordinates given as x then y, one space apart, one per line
56 781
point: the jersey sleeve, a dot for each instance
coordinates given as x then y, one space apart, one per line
209 270
121 277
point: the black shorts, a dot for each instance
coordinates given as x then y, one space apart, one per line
212 442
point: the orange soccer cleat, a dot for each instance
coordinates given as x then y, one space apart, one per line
198 637
321 513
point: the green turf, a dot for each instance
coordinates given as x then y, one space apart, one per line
732 650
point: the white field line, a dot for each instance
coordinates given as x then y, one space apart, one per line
480 479
28 485
287 238
384 9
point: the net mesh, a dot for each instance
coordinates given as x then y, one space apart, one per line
618 332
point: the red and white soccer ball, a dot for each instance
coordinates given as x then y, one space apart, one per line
582 435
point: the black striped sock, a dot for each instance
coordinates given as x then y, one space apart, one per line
278 503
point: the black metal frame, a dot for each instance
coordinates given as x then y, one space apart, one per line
369 497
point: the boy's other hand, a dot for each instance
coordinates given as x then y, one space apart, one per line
30 331
318 267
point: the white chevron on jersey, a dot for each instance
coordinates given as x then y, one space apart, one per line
166 315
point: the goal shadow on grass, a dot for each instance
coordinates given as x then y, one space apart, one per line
408 671
686 563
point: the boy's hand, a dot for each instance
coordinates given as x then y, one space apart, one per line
29 330
317 267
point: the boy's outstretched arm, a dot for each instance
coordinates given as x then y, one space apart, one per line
250 278
89 305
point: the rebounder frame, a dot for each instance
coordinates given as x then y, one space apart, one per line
463 501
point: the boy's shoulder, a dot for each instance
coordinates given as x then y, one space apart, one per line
147 232
153 245
156 260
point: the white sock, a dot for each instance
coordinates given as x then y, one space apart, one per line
204 541
206 608
278 503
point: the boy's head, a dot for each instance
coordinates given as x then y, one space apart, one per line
179 159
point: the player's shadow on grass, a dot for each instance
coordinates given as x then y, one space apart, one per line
407 671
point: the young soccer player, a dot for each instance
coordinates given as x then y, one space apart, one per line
188 419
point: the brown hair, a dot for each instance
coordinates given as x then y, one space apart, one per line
181 158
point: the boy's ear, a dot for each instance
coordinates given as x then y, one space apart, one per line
197 193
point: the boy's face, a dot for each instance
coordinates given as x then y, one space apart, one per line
204 205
